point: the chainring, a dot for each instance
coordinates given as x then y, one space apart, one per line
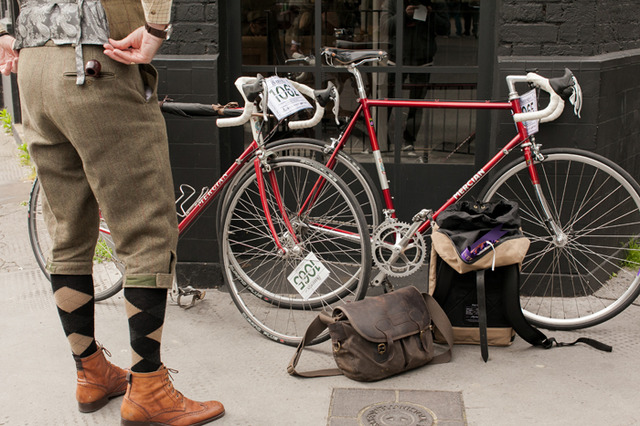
390 257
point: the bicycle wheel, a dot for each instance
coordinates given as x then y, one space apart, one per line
108 270
589 273
280 294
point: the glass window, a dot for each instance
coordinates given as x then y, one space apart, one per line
275 31
433 54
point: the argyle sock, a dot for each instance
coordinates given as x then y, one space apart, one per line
74 298
145 309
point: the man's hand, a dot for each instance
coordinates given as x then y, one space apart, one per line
410 9
8 56
139 47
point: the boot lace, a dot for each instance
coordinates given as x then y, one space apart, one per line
169 383
106 351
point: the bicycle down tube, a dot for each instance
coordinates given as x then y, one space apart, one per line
211 194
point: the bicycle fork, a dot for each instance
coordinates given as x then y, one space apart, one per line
261 165
532 155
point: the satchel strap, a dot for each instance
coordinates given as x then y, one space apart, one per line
532 335
482 314
320 323
442 323
317 326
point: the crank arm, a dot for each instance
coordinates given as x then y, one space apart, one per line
379 279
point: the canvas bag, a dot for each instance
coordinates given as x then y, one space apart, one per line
486 238
476 248
457 294
380 336
465 224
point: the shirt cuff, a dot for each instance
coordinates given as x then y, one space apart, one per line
157 11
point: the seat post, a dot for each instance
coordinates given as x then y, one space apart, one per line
356 73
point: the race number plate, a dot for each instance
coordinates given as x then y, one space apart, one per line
284 99
308 276
529 103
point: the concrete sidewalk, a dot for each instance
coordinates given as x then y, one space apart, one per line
221 357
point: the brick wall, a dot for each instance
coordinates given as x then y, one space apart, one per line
188 71
567 27
610 119
599 40
195 28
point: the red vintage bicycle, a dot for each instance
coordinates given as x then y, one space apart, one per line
580 210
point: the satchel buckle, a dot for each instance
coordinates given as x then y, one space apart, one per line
382 348
336 346
429 328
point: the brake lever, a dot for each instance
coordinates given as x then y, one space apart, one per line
335 97
576 97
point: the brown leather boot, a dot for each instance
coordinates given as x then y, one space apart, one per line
151 399
98 381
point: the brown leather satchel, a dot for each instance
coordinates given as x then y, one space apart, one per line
381 336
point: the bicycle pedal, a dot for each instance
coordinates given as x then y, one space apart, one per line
189 291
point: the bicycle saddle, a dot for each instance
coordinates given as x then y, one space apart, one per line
348 57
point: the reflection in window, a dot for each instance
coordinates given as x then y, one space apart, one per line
432 30
438 135
421 37
276 31
424 135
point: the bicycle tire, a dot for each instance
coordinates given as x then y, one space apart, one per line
588 277
257 275
108 270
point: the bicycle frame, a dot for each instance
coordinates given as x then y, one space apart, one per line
364 109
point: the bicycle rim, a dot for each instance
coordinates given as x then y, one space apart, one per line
38 235
258 274
591 273
108 270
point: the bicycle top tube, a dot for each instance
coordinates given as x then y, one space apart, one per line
435 103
